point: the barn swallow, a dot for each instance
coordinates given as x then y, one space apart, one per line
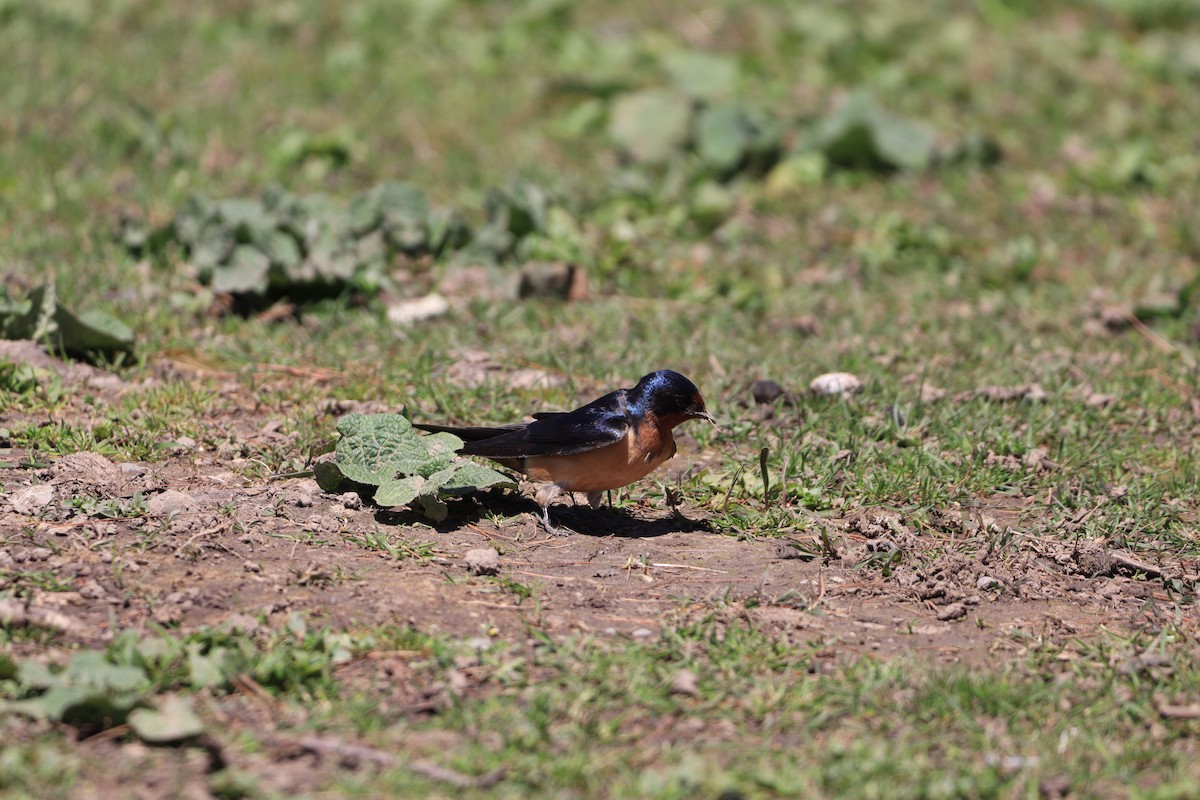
608 443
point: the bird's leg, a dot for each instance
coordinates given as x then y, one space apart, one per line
545 496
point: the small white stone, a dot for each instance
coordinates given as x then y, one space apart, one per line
410 312
835 383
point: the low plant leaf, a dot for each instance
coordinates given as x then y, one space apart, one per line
650 125
246 273
470 476
172 721
701 75
399 491
862 134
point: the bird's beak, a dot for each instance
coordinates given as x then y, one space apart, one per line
706 416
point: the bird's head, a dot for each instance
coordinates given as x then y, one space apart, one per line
670 396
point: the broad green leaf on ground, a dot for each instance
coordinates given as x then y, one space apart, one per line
650 125
90 690
172 721
43 318
383 451
247 271
469 476
283 241
863 134
374 448
701 75
399 491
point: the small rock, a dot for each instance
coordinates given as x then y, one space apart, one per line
642 633
409 312
483 561
952 612
783 550
986 582
835 383
351 500
554 280
170 502
91 590
185 443
32 499
303 499
1054 787
252 566
806 325
766 392
686 683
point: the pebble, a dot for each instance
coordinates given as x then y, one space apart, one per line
483 561
835 383
170 502
952 612
766 392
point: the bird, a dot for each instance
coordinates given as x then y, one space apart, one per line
608 443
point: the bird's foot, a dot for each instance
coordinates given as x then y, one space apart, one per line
548 526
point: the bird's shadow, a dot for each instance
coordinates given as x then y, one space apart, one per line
568 519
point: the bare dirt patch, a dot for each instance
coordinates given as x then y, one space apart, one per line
192 542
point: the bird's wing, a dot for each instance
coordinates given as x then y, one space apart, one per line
599 423
470 434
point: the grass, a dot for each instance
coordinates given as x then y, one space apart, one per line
975 281
600 718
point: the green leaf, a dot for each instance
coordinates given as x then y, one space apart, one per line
280 248
92 331
403 216
247 272
375 448
43 318
862 134
701 75
90 689
433 508
469 476
328 476
172 721
205 669
520 208
399 491
723 136
383 450
650 125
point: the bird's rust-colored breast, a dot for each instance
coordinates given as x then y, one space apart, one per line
639 453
